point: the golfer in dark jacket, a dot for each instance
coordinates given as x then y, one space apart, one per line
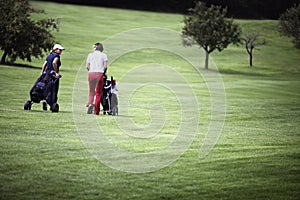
51 64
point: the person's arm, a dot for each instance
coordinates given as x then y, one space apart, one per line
88 66
44 66
54 64
105 65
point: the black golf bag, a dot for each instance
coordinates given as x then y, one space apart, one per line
41 90
109 99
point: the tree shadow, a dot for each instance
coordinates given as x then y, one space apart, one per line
21 65
238 72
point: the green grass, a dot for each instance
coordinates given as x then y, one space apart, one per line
257 155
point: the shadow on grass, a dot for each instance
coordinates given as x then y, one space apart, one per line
124 116
120 116
47 111
247 73
20 65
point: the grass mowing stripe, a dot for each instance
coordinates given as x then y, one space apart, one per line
257 156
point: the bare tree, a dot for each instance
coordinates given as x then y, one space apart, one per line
251 42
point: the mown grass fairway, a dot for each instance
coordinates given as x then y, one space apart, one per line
257 156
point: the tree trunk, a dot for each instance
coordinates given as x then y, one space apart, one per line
250 59
3 57
206 59
251 56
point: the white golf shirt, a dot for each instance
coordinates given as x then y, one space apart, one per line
96 61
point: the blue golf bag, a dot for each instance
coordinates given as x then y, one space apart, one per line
41 90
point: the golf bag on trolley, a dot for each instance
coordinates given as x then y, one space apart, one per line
109 98
41 89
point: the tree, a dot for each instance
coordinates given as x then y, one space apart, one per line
251 42
209 28
20 36
289 24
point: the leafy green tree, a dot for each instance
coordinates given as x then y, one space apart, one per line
20 36
289 24
251 42
209 28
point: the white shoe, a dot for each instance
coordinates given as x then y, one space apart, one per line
90 109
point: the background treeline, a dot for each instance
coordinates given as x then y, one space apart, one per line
251 9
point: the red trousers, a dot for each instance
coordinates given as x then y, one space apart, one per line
95 84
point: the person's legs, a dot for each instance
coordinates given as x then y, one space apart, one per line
98 94
55 91
51 99
50 95
93 80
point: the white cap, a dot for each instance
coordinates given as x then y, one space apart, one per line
58 46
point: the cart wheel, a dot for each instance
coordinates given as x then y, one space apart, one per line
55 107
27 105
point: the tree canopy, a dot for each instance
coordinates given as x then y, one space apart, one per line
209 28
257 9
20 36
289 24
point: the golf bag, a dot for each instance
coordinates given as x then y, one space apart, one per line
41 90
109 98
